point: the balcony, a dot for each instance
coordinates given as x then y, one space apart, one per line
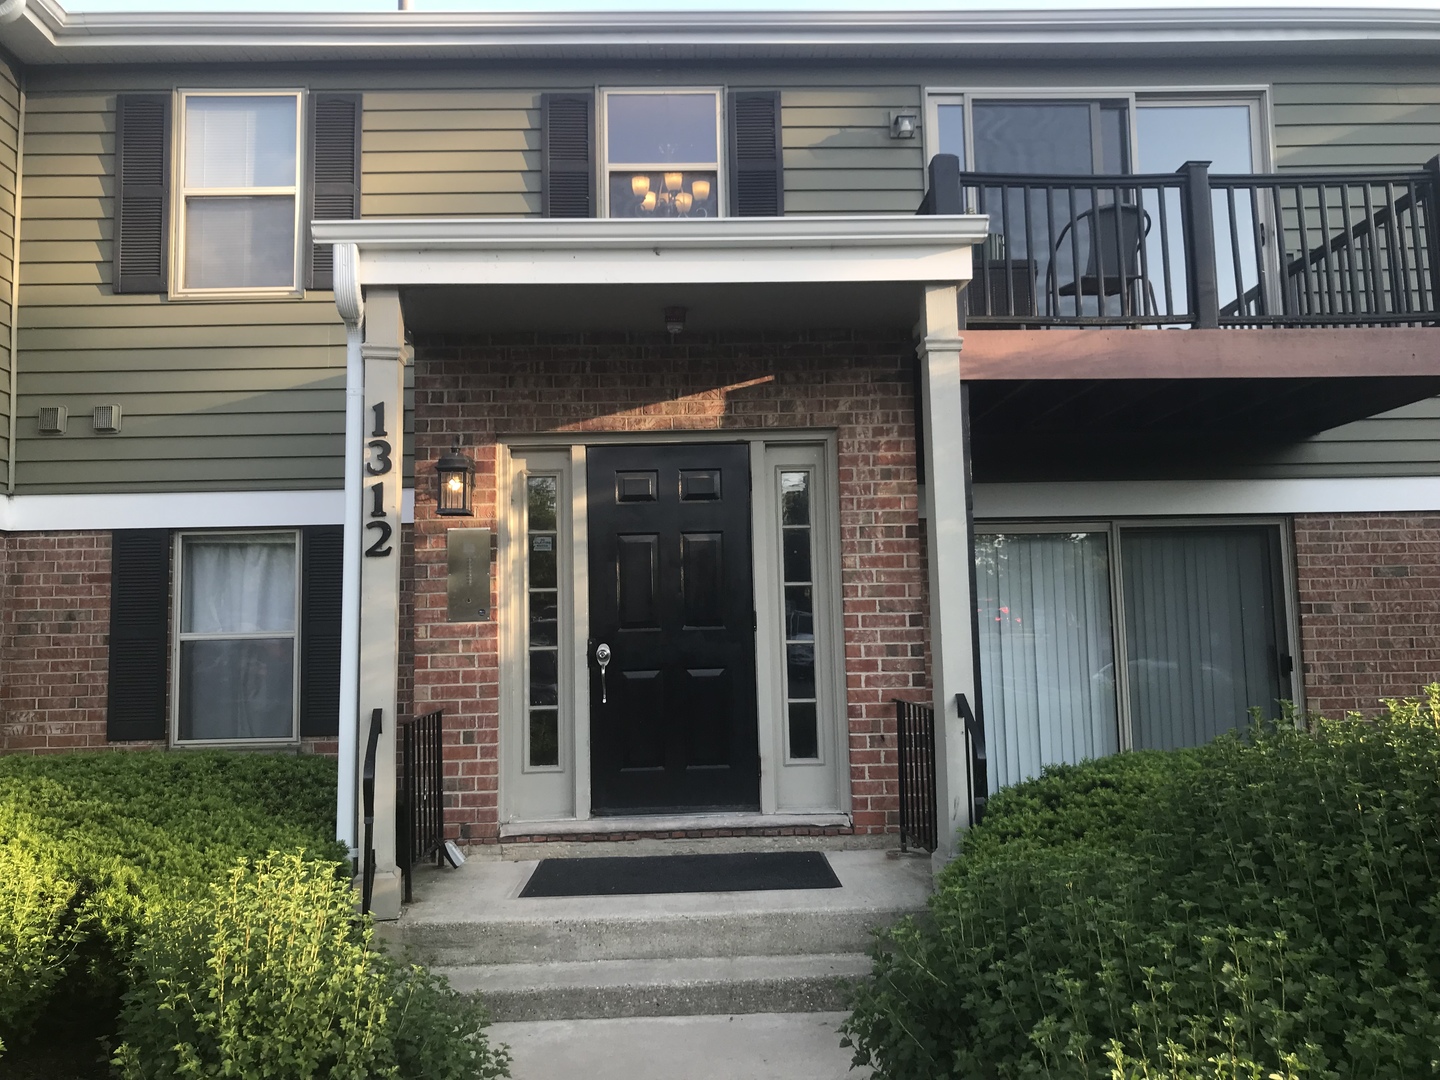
1301 301
1200 251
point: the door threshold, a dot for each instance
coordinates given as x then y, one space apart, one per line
651 824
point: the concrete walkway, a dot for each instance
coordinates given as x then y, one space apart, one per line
756 1046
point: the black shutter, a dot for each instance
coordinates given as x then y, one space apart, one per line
567 160
142 193
139 620
323 558
334 174
757 173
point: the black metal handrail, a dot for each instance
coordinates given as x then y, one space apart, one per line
420 806
915 740
1198 250
977 766
367 792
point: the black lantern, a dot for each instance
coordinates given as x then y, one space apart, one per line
455 474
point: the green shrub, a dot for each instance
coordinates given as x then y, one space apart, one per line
271 975
89 841
1265 908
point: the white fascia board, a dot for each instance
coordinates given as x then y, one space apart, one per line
837 33
1186 498
178 510
538 251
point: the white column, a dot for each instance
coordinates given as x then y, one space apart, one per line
948 535
351 304
381 470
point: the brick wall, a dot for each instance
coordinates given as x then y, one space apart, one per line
54 632
861 387
1369 591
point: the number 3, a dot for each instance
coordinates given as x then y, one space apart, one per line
381 465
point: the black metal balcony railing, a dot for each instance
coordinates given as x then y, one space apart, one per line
1191 249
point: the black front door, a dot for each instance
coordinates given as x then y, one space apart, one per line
672 716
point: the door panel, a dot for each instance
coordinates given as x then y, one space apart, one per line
672 721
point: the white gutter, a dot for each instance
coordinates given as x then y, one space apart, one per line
15 282
1237 30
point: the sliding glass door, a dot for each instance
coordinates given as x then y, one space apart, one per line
1198 614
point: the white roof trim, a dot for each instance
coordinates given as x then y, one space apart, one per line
90 36
617 251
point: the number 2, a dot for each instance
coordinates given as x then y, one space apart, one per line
379 549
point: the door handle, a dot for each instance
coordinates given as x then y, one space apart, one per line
602 657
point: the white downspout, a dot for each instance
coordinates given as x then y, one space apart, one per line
351 304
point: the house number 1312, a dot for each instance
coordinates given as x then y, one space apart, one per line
377 463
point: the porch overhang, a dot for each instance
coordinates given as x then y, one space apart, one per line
725 253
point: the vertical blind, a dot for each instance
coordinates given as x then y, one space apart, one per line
1200 631
1046 650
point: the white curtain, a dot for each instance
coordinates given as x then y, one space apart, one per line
1201 631
238 687
238 587
1046 651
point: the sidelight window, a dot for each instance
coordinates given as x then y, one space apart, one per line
236 641
542 743
797 561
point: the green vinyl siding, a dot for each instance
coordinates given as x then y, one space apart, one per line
250 394
240 395
9 160
451 153
839 156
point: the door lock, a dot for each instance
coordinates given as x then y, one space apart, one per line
602 657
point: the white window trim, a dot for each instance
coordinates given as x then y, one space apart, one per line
564 453
1262 130
602 152
179 215
1112 528
176 604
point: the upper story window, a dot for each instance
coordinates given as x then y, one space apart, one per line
1101 135
661 153
239 223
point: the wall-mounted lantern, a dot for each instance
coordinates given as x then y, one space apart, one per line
455 474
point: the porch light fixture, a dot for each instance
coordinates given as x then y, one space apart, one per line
455 476
674 320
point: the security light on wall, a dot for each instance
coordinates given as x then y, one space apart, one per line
903 125
455 476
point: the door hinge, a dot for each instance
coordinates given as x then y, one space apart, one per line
754 621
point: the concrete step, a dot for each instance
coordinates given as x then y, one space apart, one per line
609 989
756 1046
475 916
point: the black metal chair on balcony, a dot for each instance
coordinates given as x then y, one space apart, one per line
1113 236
